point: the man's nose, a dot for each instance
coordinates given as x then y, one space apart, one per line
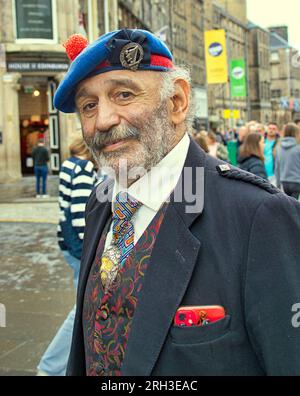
107 117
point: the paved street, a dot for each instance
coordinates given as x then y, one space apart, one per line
35 282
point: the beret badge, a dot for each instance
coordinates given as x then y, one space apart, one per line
131 56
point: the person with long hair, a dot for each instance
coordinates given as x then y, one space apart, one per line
287 169
216 149
201 140
251 158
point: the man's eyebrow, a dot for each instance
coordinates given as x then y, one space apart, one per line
115 83
126 82
81 94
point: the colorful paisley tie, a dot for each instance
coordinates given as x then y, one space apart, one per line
123 229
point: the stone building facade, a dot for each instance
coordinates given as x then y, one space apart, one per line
230 16
285 79
34 62
187 26
259 73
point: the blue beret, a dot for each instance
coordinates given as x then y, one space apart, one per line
119 50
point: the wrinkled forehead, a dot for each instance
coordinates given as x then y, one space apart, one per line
137 81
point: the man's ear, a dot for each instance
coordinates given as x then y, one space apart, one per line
180 101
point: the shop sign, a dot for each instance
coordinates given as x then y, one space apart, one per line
37 66
34 19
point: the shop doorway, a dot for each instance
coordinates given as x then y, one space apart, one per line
38 120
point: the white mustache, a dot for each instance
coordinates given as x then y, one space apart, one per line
114 135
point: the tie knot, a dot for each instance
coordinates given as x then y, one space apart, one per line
125 206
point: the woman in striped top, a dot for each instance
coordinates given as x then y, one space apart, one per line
76 181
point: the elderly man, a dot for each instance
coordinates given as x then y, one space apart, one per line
190 267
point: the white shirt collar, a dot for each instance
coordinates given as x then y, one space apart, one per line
155 187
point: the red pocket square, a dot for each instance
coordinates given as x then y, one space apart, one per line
198 315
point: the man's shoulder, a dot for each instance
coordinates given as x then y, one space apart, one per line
239 186
240 194
241 176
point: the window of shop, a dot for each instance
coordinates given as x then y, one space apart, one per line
35 21
34 119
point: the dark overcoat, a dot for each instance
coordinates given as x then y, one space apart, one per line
239 249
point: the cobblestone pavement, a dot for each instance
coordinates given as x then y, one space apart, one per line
31 212
35 282
24 190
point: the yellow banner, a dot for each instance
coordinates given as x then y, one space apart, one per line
227 114
216 57
236 114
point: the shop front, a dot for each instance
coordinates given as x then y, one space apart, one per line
36 116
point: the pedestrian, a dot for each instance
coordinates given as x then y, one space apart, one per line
76 180
260 128
241 134
251 157
216 149
271 141
41 157
161 259
297 122
220 137
287 168
201 140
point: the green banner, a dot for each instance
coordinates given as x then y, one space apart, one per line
238 80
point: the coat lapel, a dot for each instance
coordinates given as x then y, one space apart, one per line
167 278
96 221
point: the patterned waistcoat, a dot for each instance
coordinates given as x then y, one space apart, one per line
107 317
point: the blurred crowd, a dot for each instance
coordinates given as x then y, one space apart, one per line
268 151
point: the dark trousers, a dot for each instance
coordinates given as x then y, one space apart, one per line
291 189
41 172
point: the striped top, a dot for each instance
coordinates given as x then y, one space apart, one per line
76 181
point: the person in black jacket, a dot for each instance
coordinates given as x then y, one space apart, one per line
251 158
41 157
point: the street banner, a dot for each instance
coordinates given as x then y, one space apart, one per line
236 114
238 82
216 56
228 113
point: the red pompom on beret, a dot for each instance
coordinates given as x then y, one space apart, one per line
75 45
